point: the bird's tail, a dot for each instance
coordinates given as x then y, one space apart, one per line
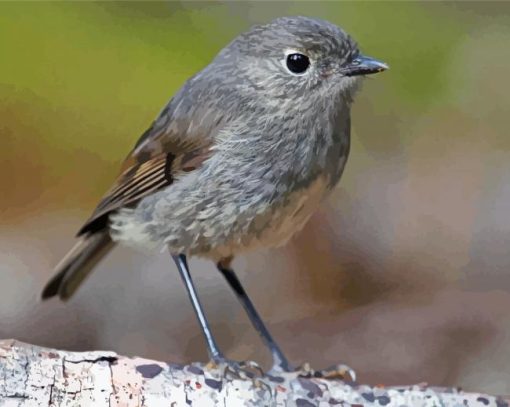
77 264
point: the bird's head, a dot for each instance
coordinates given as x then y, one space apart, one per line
291 57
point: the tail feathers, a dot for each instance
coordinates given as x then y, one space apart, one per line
77 265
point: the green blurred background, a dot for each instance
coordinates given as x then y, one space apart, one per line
402 274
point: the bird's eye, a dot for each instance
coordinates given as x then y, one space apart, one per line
297 63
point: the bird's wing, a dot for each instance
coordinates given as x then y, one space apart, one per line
156 160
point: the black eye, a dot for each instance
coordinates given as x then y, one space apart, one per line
297 63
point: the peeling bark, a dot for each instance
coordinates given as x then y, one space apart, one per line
34 376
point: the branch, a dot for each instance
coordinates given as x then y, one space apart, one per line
34 376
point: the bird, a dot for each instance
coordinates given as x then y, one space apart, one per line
237 160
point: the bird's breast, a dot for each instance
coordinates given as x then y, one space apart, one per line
291 216
274 223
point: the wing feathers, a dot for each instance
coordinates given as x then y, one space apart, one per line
143 178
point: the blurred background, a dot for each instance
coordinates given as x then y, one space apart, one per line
402 274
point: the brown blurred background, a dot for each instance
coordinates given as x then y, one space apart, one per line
402 274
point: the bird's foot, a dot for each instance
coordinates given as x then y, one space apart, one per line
237 370
335 372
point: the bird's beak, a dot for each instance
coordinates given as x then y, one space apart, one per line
363 65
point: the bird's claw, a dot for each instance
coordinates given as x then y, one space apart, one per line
238 370
232 369
335 372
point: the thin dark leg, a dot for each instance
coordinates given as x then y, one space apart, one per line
212 347
279 360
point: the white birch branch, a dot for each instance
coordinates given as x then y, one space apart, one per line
32 376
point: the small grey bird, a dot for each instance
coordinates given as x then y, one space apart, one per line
237 160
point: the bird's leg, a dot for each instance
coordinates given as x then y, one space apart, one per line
214 353
279 360
232 368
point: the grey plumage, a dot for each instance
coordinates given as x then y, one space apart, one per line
280 135
240 156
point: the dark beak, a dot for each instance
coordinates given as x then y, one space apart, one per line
363 65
